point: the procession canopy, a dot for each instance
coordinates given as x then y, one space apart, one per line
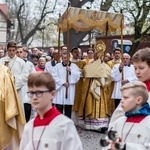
86 20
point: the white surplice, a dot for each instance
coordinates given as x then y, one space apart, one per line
49 66
59 74
30 69
60 134
19 72
136 135
128 74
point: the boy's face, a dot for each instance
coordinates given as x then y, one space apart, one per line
19 52
35 60
65 59
35 51
11 52
64 50
75 54
1 52
129 101
25 54
142 70
55 55
42 102
117 55
90 54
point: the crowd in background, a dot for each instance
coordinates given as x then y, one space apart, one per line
35 55
87 83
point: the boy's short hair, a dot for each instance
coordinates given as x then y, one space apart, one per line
63 46
117 49
142 55
25 49
11 43
65 53
19 46
90 50
38 79
34 56
139 89
74 49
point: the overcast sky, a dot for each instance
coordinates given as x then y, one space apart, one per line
1 1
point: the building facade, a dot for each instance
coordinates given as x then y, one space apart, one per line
5 24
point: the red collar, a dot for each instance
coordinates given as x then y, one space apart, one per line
48 117
147 84
135 119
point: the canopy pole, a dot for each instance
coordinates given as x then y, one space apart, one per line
122 32
106 38
68 46
59 41
122 41
90 41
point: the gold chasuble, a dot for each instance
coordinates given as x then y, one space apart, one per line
11 115
96 102
111 63
79 85
87 60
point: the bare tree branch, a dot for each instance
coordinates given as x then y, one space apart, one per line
146 31
37 26
106 5
79 4
29 43
19 20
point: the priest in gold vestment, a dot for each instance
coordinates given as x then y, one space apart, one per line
96 104
117 53
90 56
11 115
79 85
117 58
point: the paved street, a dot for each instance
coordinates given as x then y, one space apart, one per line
90 139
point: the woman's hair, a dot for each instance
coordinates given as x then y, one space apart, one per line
11 43
142 55
42 58
138 89
38 79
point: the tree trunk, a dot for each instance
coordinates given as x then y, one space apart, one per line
133 48
75 38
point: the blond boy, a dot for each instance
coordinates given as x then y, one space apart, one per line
133 129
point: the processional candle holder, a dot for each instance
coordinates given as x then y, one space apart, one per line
112 136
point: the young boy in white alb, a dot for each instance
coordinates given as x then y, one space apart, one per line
133 129
50 130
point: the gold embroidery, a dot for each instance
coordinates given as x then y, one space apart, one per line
94 16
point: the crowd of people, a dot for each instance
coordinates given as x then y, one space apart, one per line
49 92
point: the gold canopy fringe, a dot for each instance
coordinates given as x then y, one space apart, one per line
86 20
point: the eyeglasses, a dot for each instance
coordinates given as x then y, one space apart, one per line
19 52
36 93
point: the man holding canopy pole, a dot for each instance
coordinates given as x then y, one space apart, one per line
79 86
62 101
